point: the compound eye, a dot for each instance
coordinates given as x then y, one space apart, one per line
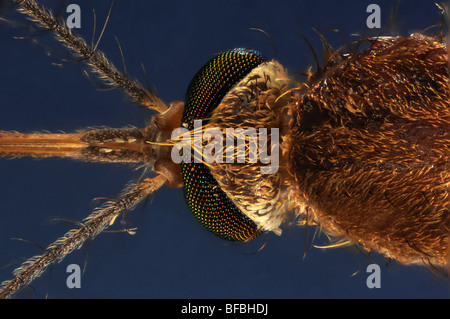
203 196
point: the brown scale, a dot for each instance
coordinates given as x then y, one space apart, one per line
369 154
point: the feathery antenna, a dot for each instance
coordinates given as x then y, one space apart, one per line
93 225
95 59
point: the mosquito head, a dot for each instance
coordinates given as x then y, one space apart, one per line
225 93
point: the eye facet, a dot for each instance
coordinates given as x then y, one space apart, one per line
203 196
215 79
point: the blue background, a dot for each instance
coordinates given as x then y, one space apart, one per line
171 256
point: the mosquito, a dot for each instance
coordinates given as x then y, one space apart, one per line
158 182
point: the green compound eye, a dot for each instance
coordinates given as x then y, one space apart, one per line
203 196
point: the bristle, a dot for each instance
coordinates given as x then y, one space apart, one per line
370 141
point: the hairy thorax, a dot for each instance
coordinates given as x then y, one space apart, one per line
370 148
